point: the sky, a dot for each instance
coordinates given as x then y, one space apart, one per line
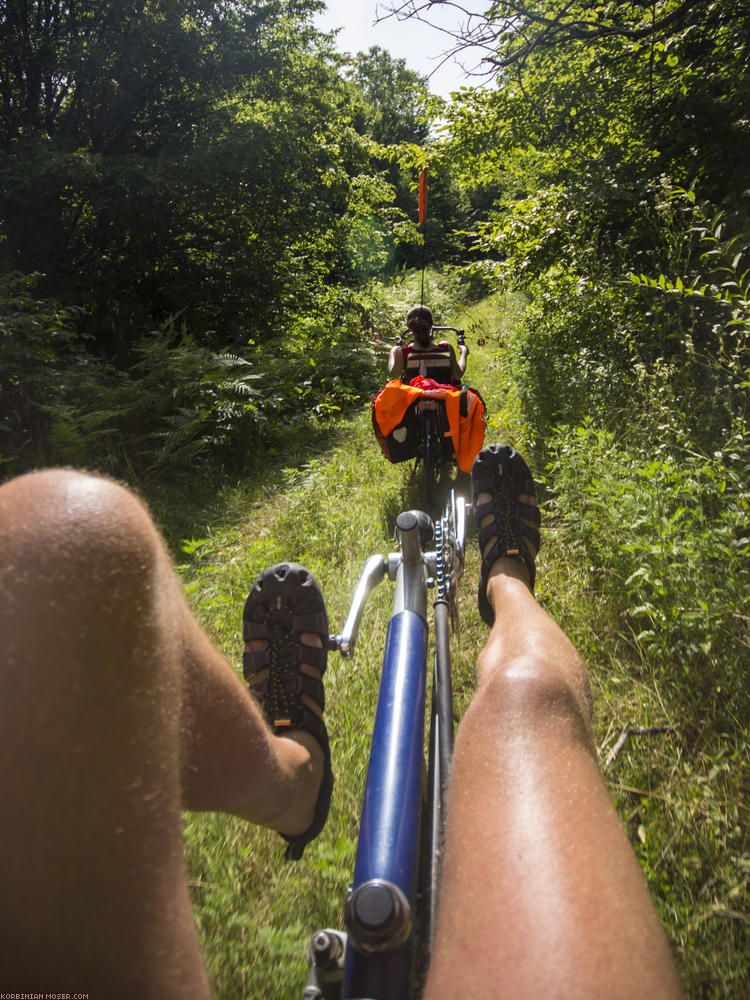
421 46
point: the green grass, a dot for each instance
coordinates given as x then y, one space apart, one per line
330 504
648 578
254 913
330 508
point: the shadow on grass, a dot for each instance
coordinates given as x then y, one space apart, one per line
181 504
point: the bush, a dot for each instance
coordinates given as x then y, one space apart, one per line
666 534
44 366
571 356
177 407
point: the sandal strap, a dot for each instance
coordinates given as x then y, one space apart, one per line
296 845
515 527
513 530
292 655
281 702
521 483
522 555
265 618
313 724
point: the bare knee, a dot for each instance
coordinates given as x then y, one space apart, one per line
530 691
81 521
81 566
85 586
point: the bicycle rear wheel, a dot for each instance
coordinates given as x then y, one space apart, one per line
433 460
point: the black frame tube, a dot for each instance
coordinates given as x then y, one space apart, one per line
444 689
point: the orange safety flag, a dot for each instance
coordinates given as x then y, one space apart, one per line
423 196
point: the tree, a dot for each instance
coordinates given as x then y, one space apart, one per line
393 107
604 119
393 98
190 159
509 31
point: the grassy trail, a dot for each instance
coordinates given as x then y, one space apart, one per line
330 509
255 913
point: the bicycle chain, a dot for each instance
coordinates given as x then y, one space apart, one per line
445 565
440 561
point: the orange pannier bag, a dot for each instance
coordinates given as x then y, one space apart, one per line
394 419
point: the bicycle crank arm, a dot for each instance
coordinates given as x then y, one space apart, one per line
375 570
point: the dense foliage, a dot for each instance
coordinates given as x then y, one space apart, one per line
615 137
202 211
142 154
183 189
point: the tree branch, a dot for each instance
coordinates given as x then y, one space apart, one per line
505 19
629 731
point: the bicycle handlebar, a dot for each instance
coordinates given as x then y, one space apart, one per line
459 334
374 571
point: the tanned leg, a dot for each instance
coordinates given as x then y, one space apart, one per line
115 712
542 895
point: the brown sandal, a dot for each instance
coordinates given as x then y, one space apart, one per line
285 602
503 473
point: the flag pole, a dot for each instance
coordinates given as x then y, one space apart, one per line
422 219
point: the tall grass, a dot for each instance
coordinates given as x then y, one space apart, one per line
644 565
255 913
331 511
651 578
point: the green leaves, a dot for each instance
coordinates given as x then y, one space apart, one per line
665 536
718 273
183 163
178 407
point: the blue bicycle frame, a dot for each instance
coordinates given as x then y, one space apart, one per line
382 900
391 901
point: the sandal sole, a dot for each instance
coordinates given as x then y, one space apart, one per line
502 470
284 602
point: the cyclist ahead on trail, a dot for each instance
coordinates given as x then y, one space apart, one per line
423 357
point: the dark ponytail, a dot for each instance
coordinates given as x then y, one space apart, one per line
420 322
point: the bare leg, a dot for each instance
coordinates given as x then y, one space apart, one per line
115 711
542 895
